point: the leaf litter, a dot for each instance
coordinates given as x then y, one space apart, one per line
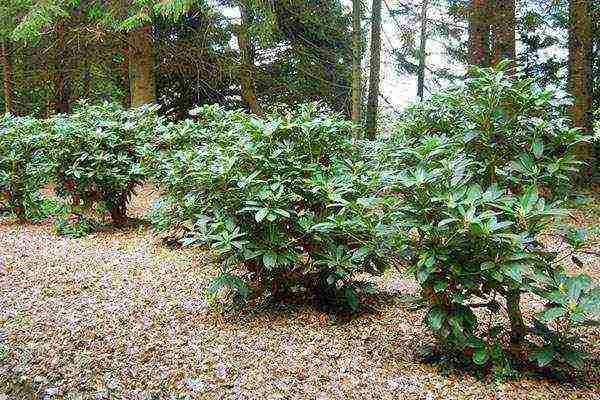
116 316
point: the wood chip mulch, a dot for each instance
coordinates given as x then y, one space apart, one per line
117 316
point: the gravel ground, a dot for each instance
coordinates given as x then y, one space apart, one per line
116 316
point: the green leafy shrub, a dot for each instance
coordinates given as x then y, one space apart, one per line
517 133
284 203
75 225
24 166
96 158
472 229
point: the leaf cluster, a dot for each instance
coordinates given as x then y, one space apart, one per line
24 166
478 173
286 203
95 155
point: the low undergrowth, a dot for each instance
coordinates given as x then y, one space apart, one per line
285 204
290 206
479 173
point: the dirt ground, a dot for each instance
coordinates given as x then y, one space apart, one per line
116 315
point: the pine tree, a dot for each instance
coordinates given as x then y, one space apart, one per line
7 69
356 58
422 50
375 66
503 42
479 33
247 60
580 69
62 85
141 66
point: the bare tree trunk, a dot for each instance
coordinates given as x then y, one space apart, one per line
124 73
580 70
118 213
356 58
247 61
503 31
479 33
87 74
87 82
141 67
7 75
373 102
61 82
422 51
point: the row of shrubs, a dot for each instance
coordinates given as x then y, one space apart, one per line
460 194
91 158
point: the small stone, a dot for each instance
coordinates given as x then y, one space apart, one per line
221 371
194 304
112 384
53 391
196 385
101 395
281 384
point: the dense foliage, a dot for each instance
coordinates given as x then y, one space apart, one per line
468 169
24 166
95 155
284 203
466 193
515 132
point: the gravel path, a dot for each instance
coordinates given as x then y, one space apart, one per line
115 316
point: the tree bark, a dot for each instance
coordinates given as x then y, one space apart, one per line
356 67
87 82
479 33
142 83
580 71
422 51
7 76
375 66
87 74
503 31
118 214
247 61
61 83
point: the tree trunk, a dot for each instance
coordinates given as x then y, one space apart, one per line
375 66
503 31
141 67
87 74
356 58
479 33
61 83
422 50
518 330
580 71
7 75
87 82
118 215
247 61
124 73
